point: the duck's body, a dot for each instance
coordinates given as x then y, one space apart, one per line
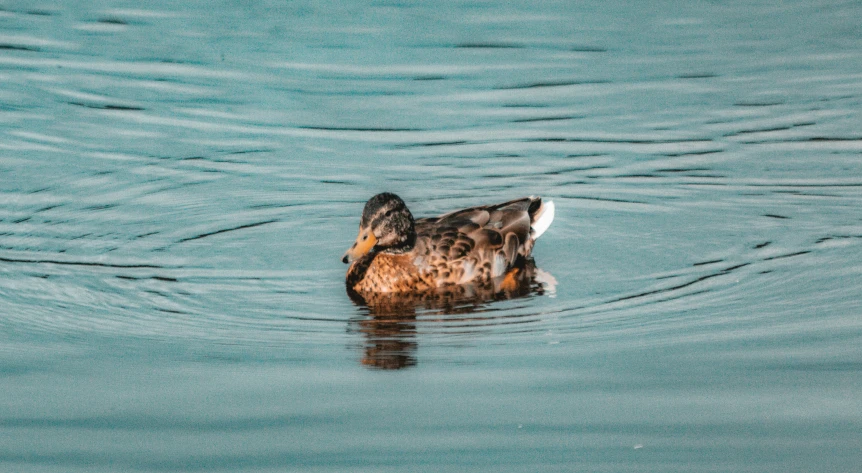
478 245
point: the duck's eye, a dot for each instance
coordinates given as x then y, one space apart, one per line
388 213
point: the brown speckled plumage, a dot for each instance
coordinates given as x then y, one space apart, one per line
478 245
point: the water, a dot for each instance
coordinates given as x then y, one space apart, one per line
179 181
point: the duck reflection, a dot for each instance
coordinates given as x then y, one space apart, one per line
389 329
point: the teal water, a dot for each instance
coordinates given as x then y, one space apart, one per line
179 180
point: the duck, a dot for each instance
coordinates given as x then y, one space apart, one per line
479 246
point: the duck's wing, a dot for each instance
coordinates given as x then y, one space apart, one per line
485 240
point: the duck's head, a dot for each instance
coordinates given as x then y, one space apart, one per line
386 225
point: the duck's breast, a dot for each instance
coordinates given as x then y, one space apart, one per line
392 273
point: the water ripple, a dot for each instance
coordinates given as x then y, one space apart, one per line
218 206
178 183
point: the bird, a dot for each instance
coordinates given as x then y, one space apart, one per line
481 246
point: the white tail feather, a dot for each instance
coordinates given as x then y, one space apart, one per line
544 219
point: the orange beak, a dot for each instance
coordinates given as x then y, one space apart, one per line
364 243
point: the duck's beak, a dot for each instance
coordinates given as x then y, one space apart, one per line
365 241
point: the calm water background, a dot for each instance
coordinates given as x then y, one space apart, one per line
179 180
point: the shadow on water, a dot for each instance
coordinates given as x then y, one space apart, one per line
391 322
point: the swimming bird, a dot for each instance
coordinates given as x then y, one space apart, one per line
394 253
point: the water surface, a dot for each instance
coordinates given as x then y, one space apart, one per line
178 183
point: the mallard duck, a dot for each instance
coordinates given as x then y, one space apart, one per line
394 253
